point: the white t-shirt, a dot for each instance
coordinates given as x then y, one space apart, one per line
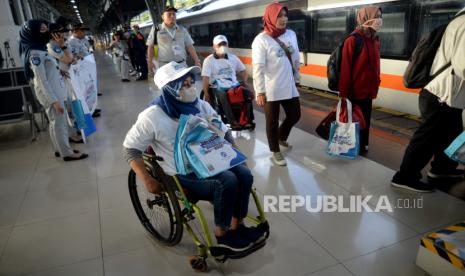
154 127
276 78
222 69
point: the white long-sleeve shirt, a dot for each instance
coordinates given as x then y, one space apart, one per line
272 71
449 86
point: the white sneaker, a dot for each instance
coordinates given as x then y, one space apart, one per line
285 145
278 159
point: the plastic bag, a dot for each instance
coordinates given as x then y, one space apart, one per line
200 147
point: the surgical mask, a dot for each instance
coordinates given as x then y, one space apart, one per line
222 50
376 25
187 95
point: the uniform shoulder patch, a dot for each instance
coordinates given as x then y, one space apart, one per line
57 49
35 60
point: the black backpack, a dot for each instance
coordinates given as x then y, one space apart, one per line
417 74
334 61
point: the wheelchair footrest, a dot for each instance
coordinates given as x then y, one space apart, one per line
223 253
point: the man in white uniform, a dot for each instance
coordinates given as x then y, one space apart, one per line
174 42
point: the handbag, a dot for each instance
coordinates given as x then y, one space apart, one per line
344 138
236 95
324 126
357 115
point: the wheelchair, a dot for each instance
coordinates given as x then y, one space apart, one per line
215 103
165 216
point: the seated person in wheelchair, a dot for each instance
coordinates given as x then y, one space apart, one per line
219 71
156 126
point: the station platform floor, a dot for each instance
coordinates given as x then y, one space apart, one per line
76 218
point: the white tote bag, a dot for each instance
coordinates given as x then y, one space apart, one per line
344 138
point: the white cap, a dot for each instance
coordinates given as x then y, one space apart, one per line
172 71
218 39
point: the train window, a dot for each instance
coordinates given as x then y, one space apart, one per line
201 35
394 33
15 12
328 30
249 28
434 15
297 24
229 29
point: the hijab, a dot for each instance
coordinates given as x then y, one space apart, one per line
170 104
269 20
30 38
365 14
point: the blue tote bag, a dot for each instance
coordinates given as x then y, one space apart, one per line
78 113
456 150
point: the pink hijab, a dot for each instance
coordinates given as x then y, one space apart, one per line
365 14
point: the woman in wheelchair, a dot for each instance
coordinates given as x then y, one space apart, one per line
156 126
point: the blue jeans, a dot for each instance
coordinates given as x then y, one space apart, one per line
229 191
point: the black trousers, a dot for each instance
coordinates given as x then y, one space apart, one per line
274 132
441 125
366 106
141 63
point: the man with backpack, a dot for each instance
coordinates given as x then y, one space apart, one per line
359 77
441 103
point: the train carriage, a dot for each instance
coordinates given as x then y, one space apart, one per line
320 27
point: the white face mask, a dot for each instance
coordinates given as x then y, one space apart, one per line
187 95
376 25
222 50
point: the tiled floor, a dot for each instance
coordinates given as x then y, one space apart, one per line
76 218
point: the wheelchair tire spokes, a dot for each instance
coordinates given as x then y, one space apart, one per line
159 214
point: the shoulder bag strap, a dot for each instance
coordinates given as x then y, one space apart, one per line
286 50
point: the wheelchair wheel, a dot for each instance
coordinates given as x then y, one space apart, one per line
198 263
159 214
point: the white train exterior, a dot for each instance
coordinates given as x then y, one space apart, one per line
320 26
13 13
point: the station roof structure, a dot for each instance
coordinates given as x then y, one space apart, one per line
104 15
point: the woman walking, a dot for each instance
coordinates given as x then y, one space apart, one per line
275 59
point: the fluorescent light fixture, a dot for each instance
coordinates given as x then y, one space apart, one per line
75 7
72 1
347 4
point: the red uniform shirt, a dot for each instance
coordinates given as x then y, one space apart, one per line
360 77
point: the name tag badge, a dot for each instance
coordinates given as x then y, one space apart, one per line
35 60
177 50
